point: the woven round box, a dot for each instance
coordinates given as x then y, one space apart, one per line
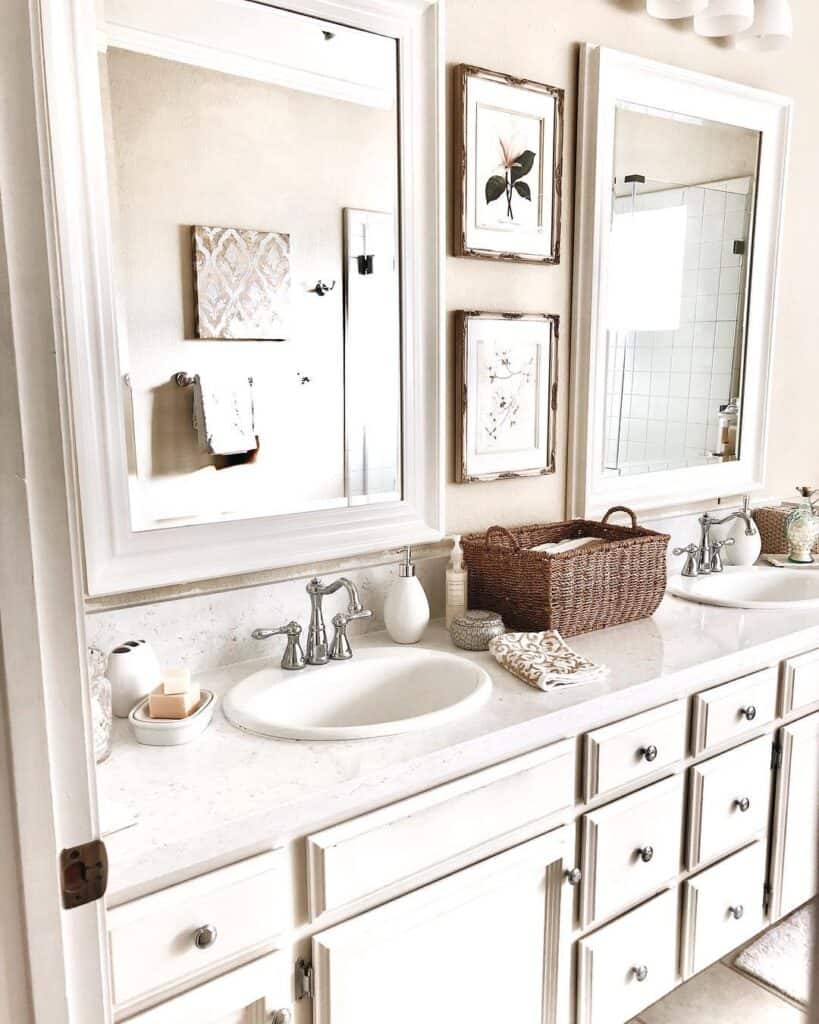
473 630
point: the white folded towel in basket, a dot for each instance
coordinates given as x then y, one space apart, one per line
223 414
544 660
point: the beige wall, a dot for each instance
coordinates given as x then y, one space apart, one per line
538 40
194 146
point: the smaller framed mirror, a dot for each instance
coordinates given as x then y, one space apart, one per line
679 203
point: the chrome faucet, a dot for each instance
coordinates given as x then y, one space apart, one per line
706 557
293 657
319 652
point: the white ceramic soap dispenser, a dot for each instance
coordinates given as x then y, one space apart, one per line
747 546
406 609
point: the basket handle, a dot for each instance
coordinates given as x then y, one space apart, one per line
506 538
621 508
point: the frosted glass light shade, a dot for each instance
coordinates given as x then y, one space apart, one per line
669 9
724 18
772 28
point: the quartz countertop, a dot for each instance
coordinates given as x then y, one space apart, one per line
229 794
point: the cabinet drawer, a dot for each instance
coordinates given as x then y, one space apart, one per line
620 753
727 711
245 996
360 857
630 848
730 797
161 940
722 907
630 963
800 682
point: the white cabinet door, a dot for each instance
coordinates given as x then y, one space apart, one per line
796 817
487 943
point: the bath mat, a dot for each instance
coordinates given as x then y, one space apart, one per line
781 958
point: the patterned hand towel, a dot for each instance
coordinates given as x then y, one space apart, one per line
544 660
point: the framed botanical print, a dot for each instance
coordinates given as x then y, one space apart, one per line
506 395
508 167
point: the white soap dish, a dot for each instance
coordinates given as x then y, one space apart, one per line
171 732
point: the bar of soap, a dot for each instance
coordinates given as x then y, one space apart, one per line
176 680
173 705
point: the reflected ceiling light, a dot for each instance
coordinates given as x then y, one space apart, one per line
675 8
724 18
772 28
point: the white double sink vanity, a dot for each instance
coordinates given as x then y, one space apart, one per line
551 857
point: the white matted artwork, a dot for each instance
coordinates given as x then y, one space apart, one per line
506 395
509 163
242 280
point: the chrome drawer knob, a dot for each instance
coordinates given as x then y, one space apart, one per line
574 876
743 803
641 972
648 753
646 853
281 1017
204 937
737 911
748 713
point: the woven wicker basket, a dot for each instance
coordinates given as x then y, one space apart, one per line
617 579
771 524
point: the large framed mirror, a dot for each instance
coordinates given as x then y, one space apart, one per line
679 206
251 280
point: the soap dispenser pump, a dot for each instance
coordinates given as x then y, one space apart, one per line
406 609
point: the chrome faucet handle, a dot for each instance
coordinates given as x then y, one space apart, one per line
716 552
690 551
293 657
340 649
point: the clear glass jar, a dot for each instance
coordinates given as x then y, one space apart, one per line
101 714
728 424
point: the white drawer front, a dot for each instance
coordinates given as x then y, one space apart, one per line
800 682
612 961
728 711
247 995
153 940
630 848
730 798
351 861
620 753
723 906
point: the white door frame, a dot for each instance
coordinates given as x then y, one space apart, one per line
40 591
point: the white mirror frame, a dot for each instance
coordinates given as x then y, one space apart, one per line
117 559
606 78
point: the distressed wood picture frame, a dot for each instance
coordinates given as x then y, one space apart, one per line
508 167
506 395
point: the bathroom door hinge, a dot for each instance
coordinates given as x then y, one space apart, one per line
304 980
83 873
776 756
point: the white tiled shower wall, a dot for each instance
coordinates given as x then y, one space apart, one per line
664 388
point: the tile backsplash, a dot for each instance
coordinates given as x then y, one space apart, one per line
207 631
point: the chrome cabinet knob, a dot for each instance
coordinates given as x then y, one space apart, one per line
204 937
648 753
574 876
737 911
281 1017
641 972
748 713
646 853
743 803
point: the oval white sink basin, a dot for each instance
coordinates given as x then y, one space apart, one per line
380 691
754 586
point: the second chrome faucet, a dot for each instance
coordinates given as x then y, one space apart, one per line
319 651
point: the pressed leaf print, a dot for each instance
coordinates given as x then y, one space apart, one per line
507 376
513 166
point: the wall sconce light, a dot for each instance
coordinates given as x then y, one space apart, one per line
672 9
724 18
772 28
